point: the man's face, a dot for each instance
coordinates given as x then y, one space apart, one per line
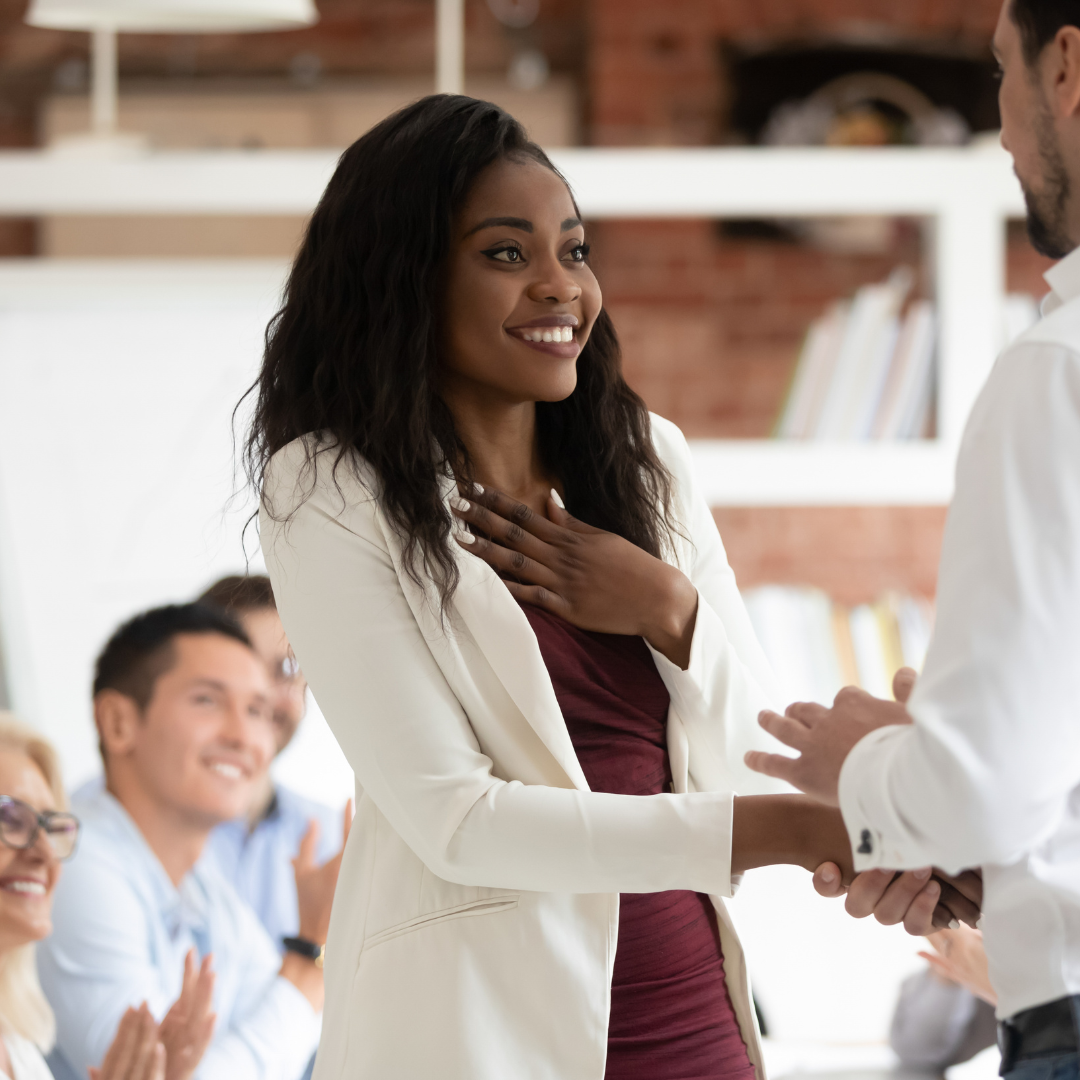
267 635
1029 133
206 736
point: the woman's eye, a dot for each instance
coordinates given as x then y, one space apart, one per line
508 255
579 253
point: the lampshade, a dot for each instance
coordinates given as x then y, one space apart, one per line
172 16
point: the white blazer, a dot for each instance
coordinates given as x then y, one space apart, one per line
476 917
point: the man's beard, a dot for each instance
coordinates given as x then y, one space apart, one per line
1047 212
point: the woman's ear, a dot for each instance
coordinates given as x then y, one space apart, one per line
118 719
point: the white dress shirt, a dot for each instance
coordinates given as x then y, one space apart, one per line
989 774
121 930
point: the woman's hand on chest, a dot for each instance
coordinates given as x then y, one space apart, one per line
594 579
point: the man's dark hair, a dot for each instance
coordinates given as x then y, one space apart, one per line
141 651
238 594
1039 21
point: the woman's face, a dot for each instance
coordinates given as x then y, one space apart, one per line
27 877
520 298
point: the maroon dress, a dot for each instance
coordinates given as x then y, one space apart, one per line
671 1014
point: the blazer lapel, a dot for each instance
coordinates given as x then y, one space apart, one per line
501 629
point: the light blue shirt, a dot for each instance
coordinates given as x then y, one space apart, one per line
258 862
121 930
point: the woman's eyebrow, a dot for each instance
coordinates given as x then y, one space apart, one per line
505 222
570 223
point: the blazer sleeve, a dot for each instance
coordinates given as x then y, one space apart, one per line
411 744
728 680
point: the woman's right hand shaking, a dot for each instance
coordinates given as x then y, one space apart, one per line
171 1050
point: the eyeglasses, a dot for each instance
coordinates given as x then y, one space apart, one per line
287 669
20 825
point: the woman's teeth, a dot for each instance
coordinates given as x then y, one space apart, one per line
554 333
231 772
31 888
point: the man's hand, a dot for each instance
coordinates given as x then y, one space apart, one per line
135 1053
315 884
315 895
188 1026
923 900
824 738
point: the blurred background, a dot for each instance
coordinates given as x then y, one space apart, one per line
805 230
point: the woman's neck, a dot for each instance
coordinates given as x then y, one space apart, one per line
502 444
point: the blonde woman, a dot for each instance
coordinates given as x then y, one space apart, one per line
36 835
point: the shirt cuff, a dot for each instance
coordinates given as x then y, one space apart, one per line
876 831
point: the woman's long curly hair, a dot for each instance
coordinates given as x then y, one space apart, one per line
353 354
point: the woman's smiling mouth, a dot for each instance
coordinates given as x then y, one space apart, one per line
553 334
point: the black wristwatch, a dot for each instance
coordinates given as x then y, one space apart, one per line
308 949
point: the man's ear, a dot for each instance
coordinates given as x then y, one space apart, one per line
1063 58
118 719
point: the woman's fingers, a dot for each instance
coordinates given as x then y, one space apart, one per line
538 596
504 531
958 904
502 508
507 562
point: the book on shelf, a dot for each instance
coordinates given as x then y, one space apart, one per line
816 646
867 366
866 370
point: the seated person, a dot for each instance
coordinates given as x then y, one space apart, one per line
35 835
255 851
945 1014
182 707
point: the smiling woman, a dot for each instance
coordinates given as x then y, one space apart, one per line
517 616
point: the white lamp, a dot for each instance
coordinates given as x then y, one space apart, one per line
105 18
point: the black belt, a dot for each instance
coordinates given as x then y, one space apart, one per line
1043 1031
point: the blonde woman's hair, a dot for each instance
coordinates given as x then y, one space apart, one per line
23 1008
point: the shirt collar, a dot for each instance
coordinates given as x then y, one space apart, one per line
1064 281
186 905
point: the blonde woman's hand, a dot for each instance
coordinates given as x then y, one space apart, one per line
136 1052
593 579
959 957
188 1026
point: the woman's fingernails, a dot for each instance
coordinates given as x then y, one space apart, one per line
954 924
828 877
923 874
479 489
556 498
459 503
466 537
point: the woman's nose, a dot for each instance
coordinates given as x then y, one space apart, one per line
555 286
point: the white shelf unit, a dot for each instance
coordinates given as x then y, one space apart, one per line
968 193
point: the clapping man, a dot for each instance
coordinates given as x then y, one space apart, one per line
183 710
983 766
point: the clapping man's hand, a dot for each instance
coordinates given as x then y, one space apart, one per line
171 1050
188 1026
136 1052
315 886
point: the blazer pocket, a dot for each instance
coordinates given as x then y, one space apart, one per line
488 906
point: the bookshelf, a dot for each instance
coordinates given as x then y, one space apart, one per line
967 193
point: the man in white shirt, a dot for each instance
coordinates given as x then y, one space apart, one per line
988 772
182 705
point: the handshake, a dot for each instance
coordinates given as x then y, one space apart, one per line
923 900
